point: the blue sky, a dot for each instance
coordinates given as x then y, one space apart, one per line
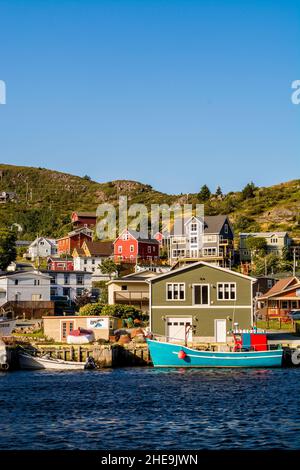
171 93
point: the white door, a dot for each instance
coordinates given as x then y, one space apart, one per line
176 328
220 331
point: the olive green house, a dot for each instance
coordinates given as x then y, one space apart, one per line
211 299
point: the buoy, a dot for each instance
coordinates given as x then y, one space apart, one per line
296 357
181 354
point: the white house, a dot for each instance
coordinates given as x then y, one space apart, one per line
69 283
24 286
90 256
42 247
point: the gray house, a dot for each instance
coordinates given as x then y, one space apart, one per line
42 247
209 239
276 243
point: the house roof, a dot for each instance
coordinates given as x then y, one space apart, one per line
51 241
99 248
212 223
65 271
41 273
281 286
85 214
136 236
263 234
81 230
141 276
201 263
60 260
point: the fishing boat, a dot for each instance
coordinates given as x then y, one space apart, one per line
28 361
6 326
167 354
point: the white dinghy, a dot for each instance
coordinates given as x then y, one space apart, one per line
27 361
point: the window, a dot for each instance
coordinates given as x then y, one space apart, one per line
201 294
131 248
85 261
226 228
178 253
79 279
194 240
226 291
66 278
66 291
16 282
178 241
35 297
79 291
119 249
269 283
93 261
53 279
209 251
176 291
284 304
148 249
36 282
53 291
193 227
209 238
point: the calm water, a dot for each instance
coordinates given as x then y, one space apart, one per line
144 408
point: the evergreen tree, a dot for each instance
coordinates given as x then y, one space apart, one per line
219 191
249 191
204 193
8 251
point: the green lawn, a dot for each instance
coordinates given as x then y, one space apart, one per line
274 324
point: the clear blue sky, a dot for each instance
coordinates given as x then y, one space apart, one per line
170 93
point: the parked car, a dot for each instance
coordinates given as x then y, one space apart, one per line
294 314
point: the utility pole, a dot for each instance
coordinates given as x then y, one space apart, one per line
294 262
27 192
266 267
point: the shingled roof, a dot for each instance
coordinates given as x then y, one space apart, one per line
281 285
100 248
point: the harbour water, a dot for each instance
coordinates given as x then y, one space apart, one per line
145 408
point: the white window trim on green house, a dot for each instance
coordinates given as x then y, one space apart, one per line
230 284
172 284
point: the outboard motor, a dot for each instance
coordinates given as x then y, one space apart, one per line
4 365
90 363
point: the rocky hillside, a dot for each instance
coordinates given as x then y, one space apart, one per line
45 199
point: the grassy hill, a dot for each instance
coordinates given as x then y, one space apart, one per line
46 198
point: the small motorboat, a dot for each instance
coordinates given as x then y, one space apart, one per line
80 336
256 354
28 361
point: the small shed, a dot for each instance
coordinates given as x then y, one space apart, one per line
59 327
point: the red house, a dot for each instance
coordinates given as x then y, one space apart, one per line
84 219
60 264
129 247
73 240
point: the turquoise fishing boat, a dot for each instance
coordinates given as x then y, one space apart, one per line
164 354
